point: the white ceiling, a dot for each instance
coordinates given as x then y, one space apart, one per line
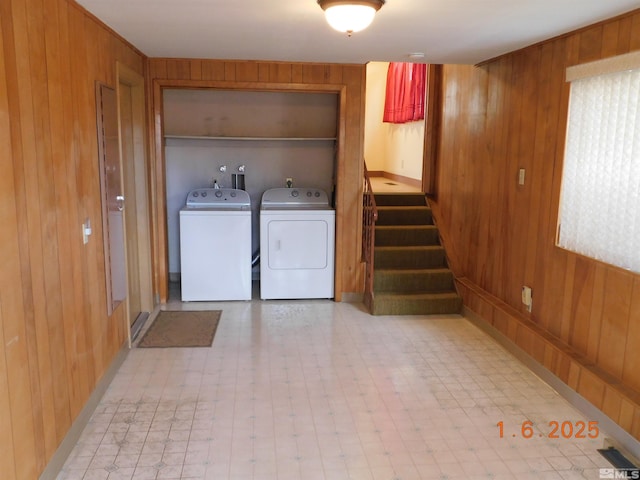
446 31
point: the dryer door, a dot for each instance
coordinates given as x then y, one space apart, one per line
298 244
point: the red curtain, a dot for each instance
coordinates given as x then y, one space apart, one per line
404 100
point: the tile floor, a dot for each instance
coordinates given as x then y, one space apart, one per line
322 390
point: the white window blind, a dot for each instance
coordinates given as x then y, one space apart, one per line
600 200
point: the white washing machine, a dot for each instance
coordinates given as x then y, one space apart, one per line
215 245
297 244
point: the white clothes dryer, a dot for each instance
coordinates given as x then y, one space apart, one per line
215 245
297 244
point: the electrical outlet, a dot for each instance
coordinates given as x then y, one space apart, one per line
289 182
527 297
521 176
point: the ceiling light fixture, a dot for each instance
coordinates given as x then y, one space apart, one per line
350 15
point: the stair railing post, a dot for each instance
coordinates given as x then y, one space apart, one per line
369 218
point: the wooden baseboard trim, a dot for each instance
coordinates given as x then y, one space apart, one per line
602 391
352 297
614 434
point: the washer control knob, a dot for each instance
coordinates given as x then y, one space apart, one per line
308 193
317 193
295 193
196 194
218 194
233 194
204 194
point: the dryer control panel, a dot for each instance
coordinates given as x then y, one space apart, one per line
283 198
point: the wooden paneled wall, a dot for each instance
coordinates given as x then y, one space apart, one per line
347 80
511 113
56 340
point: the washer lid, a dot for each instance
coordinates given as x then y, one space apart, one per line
222 198
295 198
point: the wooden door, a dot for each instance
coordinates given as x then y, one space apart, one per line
112 196
130 214
135 175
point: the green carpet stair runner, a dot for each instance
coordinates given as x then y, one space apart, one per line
411 275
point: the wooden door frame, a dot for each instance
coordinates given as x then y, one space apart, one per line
141 203
432 121
160 228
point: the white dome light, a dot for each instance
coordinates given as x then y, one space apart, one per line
350 15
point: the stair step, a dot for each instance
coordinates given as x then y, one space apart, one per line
413 280
406 235
415 257
416 304
411 276
403 215
383 199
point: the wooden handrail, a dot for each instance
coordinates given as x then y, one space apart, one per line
369 218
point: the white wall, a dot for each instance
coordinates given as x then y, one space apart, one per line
391 148
194 163
375 132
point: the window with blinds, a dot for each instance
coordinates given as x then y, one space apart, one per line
599 212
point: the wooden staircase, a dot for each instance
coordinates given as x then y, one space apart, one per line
410 275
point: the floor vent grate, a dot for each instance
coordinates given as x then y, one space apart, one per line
621 463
